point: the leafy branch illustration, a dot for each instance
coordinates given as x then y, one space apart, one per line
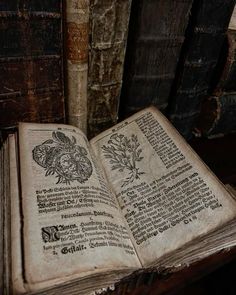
123 154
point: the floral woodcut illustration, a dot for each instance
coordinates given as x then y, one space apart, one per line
124 153
61 156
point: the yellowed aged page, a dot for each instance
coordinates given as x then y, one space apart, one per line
167 195
72 222
6 262
16 249
232 23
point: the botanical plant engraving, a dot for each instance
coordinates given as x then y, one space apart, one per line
124 153
64 158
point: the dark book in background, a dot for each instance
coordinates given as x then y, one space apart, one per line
198 61
31 85
2 279
218 112
108 34
156 35
218 115
228 75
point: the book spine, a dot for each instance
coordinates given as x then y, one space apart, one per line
228 74
1 213
218 115
76 44
156 35
31 87
108 34
198 61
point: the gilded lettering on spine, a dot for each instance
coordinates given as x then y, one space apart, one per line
77 42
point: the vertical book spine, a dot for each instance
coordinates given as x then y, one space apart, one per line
31 87
228 74
199 58
76 44
156 35
108 34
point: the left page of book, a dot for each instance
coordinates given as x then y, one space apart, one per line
6 261
16 249
4 218
72 223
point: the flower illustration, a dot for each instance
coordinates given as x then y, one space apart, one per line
123 154
64 158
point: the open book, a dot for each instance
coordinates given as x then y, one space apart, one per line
78 216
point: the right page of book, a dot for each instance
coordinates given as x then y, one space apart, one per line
167 194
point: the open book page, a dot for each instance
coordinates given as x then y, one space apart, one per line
167 195
232 23
1 217
71 220
16 249
232 190
6 219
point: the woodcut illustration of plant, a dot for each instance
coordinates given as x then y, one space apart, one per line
63 157
124 154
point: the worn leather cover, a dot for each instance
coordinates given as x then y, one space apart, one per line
228 75
218 115
31 82
198 61
108 34
156 35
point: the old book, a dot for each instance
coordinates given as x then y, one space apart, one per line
206 34
217 117
156 35
228 75
108 34
31 85
80 215
225 80
76 47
